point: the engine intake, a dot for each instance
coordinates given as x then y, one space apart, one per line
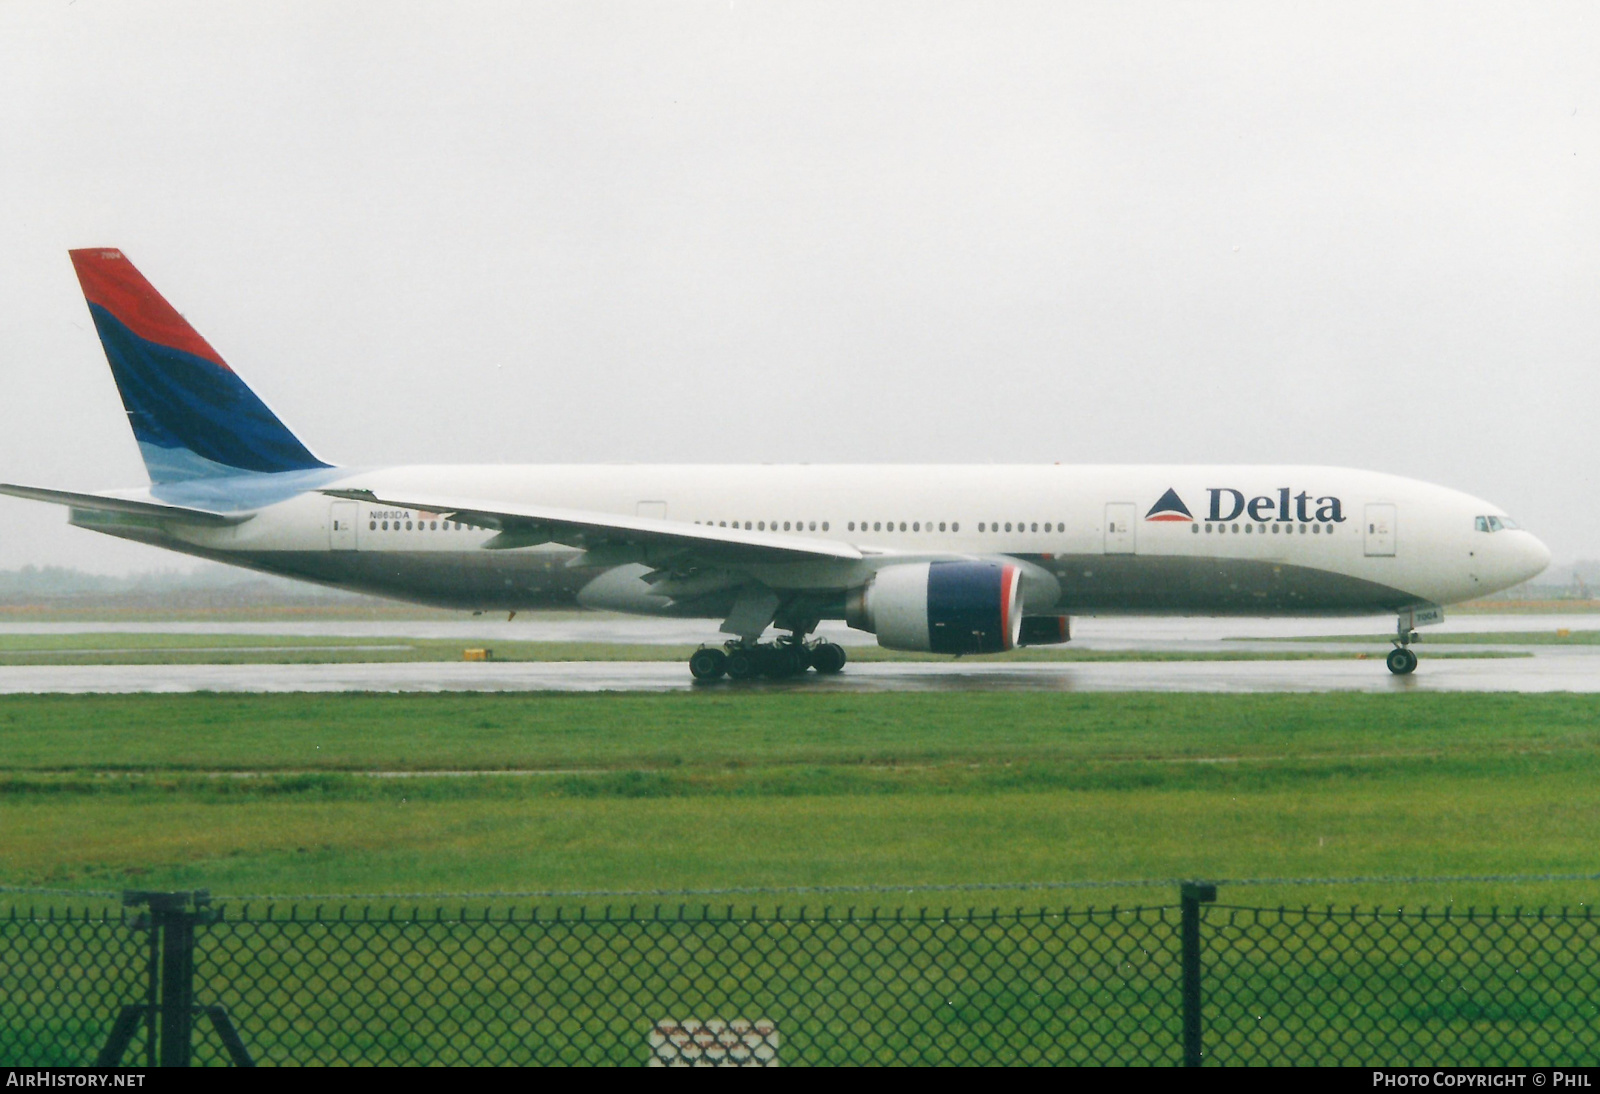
941 607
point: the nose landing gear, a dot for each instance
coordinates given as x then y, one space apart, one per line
788 657
1401 661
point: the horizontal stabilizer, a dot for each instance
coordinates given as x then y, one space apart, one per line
105 504
529 524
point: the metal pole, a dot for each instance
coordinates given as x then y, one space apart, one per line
172 918
177 983
1191 894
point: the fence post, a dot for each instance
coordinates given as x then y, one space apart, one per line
172 920
1192 894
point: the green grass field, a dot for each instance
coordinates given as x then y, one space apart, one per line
297 794
304 795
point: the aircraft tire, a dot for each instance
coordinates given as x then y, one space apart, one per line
828 658
742 665
1401 661
708 664
784 661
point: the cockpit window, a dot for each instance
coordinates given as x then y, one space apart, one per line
1495 524
1508 524
1481 523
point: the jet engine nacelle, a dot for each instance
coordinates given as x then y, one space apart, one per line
941 607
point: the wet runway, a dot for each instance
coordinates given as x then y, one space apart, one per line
1551 668
1561 669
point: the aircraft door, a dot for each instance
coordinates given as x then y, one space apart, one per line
1380 529
1119 528
342 517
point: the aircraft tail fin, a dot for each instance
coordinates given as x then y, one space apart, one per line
192 416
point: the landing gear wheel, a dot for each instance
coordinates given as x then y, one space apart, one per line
742 664
708 664
1401 661
785 660
828 658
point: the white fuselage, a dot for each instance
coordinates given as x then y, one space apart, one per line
1262 539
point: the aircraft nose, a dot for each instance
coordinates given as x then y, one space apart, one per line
1532 557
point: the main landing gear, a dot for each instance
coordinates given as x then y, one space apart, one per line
780 660
1401 661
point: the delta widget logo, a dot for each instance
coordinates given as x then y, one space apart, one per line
1286 507
1170 507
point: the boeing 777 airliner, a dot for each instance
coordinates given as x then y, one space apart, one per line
948 559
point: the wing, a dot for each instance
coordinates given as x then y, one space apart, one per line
103 503
530 525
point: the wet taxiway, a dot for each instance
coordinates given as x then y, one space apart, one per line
1560 669
1550 668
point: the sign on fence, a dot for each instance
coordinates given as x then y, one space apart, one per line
714 1043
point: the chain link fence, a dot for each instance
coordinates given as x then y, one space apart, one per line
180 982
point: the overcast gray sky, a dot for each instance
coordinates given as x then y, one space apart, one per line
1365 235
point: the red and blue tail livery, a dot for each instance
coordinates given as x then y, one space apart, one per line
192 416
